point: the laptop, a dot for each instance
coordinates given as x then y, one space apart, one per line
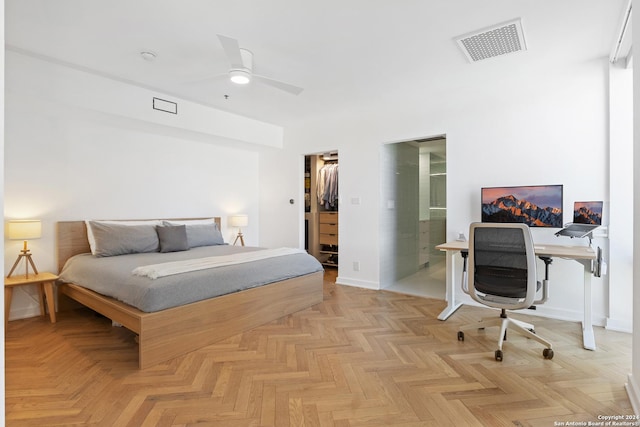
587 216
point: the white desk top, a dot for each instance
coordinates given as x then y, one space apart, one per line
561 251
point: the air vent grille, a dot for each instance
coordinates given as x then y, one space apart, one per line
494 41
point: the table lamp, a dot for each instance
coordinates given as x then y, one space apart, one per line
24 230
239 221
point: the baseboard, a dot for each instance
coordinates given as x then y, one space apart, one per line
357 283
620 325
563 314
543 310
24 313
633 390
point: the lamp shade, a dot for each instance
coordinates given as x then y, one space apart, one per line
24 229
238 220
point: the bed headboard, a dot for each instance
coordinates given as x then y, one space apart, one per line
72 238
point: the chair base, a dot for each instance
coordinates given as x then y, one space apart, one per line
523 328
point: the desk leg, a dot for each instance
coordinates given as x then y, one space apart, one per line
588 338
8 294
51 305
450 293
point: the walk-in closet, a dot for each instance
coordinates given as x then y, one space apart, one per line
321 207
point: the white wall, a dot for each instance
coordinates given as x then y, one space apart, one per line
66 160
621 212
633 386
527 132
2 109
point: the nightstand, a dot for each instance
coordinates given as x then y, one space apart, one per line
45 290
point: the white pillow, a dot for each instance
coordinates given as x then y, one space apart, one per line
92 240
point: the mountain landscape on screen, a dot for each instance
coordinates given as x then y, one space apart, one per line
511 209
584 215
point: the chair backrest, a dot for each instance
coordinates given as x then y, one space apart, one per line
502 265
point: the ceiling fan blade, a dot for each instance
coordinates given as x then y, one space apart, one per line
232 49
294 90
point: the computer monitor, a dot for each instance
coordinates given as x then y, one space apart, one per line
587 212
534 205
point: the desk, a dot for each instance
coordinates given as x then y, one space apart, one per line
585 255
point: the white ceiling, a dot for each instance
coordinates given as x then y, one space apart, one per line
346 54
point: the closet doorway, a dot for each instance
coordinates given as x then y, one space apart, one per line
321 210
413 216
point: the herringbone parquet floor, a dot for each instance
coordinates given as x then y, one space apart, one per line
361 358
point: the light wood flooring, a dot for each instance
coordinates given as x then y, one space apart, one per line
361 358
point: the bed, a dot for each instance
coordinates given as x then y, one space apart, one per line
166 333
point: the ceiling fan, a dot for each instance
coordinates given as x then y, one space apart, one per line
241 71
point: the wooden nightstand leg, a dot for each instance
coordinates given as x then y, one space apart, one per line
41 299
8 293
51 304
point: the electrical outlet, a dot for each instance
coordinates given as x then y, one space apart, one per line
356 265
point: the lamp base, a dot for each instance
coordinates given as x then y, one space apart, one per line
239 236
28 261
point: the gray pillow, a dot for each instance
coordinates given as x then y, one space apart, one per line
114 239
173 238
202 234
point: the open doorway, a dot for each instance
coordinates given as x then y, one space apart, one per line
321 208
413 216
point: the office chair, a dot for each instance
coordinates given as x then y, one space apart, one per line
502 274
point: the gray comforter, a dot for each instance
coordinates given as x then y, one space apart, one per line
111 276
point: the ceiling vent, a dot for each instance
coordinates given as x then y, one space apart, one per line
497 40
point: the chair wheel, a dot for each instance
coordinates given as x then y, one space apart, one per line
460 336
547 353
499 355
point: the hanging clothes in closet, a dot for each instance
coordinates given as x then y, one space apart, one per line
328 186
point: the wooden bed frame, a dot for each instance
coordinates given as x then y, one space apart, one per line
166 334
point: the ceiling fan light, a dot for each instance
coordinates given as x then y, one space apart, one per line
240 77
